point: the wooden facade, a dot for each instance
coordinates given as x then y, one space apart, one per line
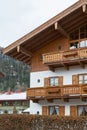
58 44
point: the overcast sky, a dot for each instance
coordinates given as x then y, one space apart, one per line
18 17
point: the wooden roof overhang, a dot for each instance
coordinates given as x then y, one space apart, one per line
60 25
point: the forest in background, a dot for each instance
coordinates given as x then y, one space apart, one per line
16 74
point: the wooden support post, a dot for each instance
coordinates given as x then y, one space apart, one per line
84 8
60 29
52 68
18 49
56 25
82 64
65 66
24 51
66 99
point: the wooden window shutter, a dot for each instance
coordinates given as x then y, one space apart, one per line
62 111
44 110
74 79
73 110
46 82
60 80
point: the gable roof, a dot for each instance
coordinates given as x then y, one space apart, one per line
67 20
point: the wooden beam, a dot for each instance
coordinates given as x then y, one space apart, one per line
82 64
65 66
52 68
24 51
66 99
60 29
84 8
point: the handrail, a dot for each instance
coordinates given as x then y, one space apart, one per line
57 91
65 55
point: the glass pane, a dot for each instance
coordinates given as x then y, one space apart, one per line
80 82
56 81
80 77
57 110
51 81
86 42
82 44
51 110
74 35
82 110
85 81
54 110
79 110
85 77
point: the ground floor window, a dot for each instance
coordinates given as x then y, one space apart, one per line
82 110
53 110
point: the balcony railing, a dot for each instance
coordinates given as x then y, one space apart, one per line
70 55
57 92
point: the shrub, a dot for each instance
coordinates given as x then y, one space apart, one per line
37 122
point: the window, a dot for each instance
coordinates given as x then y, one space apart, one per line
6 103
73 45
83 79
74 35
83 32
54 110
38 80
83 43
78 38
82 110
53 81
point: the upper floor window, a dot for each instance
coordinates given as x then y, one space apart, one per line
74 35
53 81
83 43
78 38
83 32
83 79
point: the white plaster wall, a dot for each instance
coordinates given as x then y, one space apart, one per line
67 79
67 75
34 107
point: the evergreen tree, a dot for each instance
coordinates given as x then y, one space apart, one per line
16 74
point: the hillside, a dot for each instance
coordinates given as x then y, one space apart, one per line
16 74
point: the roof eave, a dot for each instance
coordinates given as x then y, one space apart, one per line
44 26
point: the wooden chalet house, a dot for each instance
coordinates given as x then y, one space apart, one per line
57 54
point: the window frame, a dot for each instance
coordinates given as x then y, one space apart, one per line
77 36
83 78
80 109
54 108
54 81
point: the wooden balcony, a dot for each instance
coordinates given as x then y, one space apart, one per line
66 58
64 92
